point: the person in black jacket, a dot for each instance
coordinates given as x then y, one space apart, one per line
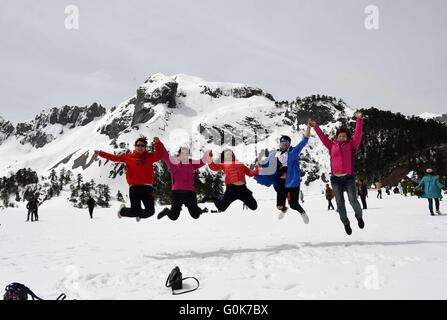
31 206
362 191
91 204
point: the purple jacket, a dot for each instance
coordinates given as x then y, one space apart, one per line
182 174
342 154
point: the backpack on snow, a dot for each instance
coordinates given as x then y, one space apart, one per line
18 291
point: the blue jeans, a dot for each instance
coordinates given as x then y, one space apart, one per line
340 185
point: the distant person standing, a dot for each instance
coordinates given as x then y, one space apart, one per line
362 191
31 206
91 205
379 189
301 196
431 189
329 196
36 208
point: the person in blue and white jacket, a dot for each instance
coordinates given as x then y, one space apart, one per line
282 169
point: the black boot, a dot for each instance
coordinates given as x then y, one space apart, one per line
163 213
348 229
361 223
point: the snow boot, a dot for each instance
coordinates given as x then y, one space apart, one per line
348 229
361 223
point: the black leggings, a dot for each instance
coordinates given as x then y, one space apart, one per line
430 204
281 196
137 194
187 198
234 192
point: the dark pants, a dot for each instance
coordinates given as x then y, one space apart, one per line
138 194
340 185
233 193
90 210
36 216
379 194
430 204
281 196
30 212
329 204
363 198
187 198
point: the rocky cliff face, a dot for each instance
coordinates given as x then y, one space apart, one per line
47 125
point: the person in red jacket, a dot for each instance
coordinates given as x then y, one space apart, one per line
236 188
139 176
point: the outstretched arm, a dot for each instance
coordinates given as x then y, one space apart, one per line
111 157
252 173
214 166
196 164
324 139
358 131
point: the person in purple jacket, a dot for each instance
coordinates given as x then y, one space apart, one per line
342 151
182 170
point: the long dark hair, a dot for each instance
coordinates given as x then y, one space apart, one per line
222 155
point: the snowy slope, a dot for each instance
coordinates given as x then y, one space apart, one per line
240 254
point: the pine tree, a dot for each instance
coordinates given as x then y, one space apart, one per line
62 180
217 187
79 180
53 175
162 183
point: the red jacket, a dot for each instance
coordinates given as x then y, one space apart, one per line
139 168
234 171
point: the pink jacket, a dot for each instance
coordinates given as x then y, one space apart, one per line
182 174
342 154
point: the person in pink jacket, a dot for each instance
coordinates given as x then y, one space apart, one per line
182 170
342 151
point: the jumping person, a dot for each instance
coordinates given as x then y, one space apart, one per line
342 151
139 176
183 192
236 187
431 189
282 170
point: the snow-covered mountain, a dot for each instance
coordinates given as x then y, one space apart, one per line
181 110
438 117
428 115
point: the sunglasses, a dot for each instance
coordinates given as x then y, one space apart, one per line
140 145
285 141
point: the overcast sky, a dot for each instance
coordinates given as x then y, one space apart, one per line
289 48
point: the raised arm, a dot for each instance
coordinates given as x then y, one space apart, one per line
157 150
251 173
164 154
358 131
198 164
111 157
324 139
214 166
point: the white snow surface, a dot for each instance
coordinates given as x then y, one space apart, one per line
238 254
